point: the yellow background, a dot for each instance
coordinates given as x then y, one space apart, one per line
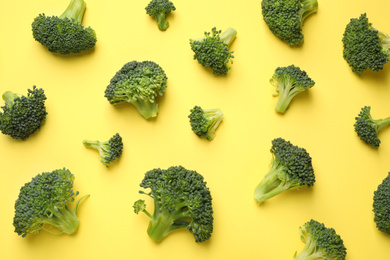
320 120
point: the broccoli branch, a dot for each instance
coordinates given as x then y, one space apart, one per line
9 98
75 10
308 7
145 107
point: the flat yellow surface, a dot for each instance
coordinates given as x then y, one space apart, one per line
320 120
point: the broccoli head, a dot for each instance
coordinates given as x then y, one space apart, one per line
289 81
138 83
109 150
285 18
181 201
364 46
23 115
212 50
44 203
64 34
204 122
291 168
381 206
320 243
159 9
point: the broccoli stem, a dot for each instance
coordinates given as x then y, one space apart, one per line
64 219
75 10
381 123
384 40
9 98
308 7
161 22
228 35
146 108
287 92
95 144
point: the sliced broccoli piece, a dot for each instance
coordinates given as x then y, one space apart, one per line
109 150
204 122
159 9
381 205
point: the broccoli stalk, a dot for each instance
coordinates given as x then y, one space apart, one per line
9 98
307 7
109 150
75 10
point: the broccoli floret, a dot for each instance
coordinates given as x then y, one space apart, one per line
160 9
204 122
289 81
109 150
23 115
291 168
181 200
381 205
285 18
65 34
212 50
138 83
320 243
364 46
367 128
44 203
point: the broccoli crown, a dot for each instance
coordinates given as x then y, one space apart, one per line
181 200
381 206
364 46
138 83
109 150
204 122
23 115
159 9
285 18
320 242
212 50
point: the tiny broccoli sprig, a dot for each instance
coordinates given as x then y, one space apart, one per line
109 150
159 9
204 122
381 205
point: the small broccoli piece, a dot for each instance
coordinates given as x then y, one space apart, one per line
204 122
364 46
285 18
212 50
65 34
291 168
181 200
381 205
160 9
367 128
289 81
320 243
109 150
138 83
45 201
23 115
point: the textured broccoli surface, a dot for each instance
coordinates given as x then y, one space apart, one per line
204 122
181 201
109 150
138 83
381 205
159 9
64 34
291 168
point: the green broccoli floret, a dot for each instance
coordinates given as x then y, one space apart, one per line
204 122
381 205
289 81
212 50
138 83
364 46
109 150
181 200
367 128
44 203
285 18
160 9
291 168
23 115
65 34
320 243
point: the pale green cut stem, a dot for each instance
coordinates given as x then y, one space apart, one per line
75 10
9 98
228 35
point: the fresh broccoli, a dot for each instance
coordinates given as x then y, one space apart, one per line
289 81
364 46
160 9
138 83
212 50
285 18
291 168
381 205
367 128
65 34
181 200
23 115
320 243
109 150
204 122
44 203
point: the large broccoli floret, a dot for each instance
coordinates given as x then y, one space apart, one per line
181 200
204 122
212 50
367 128
44 203
289 81
364 46
138 83
109 150
159 9
381 205
23 115
291 168
285 18
65 34
320 243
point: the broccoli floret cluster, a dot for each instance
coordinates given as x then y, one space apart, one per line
159 9
109 150
204 122
381 205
